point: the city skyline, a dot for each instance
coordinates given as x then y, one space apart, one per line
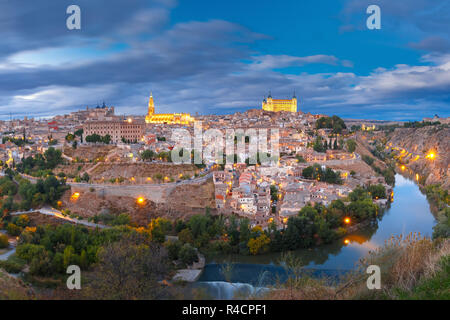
219 58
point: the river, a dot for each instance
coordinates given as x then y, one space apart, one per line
409 212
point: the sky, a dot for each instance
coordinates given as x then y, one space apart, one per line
220 57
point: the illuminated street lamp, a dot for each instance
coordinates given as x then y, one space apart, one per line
140 200
75 196
347 220
431 155
346 241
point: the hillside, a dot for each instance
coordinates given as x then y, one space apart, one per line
13 289
420 141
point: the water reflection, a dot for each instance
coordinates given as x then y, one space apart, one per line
410 212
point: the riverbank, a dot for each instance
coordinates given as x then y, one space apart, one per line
408 213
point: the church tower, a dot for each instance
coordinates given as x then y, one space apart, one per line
294 103
151 105
166 118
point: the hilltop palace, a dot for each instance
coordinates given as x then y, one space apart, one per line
276 105
167 118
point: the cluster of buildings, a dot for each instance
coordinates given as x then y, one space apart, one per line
264 193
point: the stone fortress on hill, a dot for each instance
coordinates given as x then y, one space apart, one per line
276 105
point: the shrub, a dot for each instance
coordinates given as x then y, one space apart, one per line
173 249
13 229
3 241
11 266
188 254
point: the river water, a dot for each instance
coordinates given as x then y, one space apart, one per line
409 212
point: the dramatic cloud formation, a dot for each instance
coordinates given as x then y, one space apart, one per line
126 49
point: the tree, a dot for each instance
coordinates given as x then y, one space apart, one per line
273 192
308 172
106 139
188 254
389 176
79 133
70 137
4 243
13 229
147 155
93 138
129 270
68 254
335 123
159 228
173 249
300 159
29 251
377 191
22 221
368 159
185 236
83 259
351 145
318 146
259 244
362 210
198 223
53 157
358 194
85 177
244 230
315 172
164 155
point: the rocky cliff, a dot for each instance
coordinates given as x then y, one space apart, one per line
420 142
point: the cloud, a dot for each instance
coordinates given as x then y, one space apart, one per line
266 62
195 66
432 44
28 25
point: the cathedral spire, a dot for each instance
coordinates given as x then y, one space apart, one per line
151 104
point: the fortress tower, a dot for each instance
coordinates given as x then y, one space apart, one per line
276 105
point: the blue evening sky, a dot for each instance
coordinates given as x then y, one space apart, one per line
210 56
